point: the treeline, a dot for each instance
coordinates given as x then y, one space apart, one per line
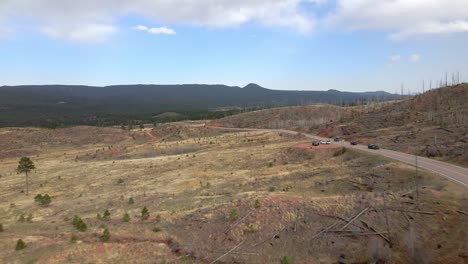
109 119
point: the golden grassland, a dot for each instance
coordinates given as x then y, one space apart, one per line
251 195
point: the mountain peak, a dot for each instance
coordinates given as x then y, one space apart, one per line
253 86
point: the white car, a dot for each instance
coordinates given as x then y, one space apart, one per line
325 142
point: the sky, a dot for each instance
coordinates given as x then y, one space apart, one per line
348 45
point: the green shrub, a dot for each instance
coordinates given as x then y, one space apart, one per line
158 218
156 229
73 238
79 224
126 217
20 244
29 218
340 152
285 260
144 213
270 164
131 201
106 215
1 228
233 215
185 259
271 189
43 200
105 235
22 219
257 204
98 216
120 181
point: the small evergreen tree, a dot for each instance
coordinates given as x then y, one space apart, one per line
30 218
106 215
285 260
340 152
144 213
257 204
233 215
43 200
22 219
130 200
105 235
20 244
25 165
126 217
73 238
79 224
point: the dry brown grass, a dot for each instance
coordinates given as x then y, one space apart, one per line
194 181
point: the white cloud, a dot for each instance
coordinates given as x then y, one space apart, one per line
415 57
93 20
85 33
162 30
88 19
140 27
156 30
402 18
395 58
432 28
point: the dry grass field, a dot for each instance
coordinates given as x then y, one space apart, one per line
224 197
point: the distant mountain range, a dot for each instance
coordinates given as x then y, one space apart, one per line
32 104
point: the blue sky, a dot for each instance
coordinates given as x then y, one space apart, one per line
280 44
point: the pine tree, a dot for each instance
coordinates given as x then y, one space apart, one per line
105 235
25 165
144 213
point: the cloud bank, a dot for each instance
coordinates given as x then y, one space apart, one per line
94 21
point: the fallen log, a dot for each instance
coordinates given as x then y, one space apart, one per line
354 218
412 211
373 230
222 256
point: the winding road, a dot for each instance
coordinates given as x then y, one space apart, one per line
447 170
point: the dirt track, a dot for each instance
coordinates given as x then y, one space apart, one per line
153 137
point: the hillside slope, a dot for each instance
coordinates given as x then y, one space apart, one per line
433 124
89 105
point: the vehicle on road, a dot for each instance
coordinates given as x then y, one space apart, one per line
315 143
372 146
337 139
354 143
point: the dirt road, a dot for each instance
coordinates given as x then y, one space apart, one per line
153 137
449 171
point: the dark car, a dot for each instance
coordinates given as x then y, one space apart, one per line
354 143
315 143
337 139
373 146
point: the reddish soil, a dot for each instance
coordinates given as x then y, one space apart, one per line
308 145
216 124
153 137
101 248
